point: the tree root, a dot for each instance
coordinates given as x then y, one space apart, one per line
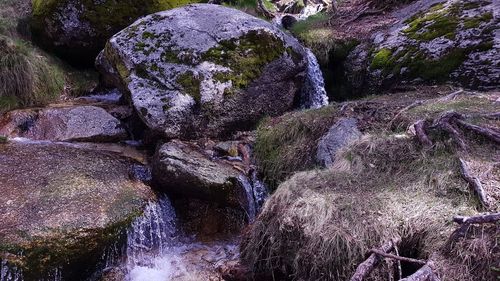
262 9
479 219
474 182
449 123
365 268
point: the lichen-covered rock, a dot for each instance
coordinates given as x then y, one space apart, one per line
186 170
342 133
204 70
450 41
73 123
79 29
61 206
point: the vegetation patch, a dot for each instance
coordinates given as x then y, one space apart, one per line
190 83
286 144
246 56
437 22
26 77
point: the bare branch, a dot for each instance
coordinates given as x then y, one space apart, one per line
366 267
488 218
474 182
425 273
391 256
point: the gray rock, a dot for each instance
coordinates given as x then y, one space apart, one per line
73 123
341 134
457 41
61 206
184 169
204 70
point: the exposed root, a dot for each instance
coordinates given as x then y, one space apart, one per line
425 273
451 96
479 219
474 182
422 134
372 261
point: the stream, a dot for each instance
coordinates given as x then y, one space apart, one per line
155 247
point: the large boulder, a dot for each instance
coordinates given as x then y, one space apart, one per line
73 123
450 41
61 206
204 70
79 28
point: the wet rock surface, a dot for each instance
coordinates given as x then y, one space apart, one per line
61 206
185 169
72 123
188 73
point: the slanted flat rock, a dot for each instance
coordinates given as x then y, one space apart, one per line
341 134
61 206
184 169
204 70
74 123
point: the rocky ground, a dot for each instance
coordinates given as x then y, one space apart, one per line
206 104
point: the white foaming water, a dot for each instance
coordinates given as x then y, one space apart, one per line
256 193
313 92
9 273
154 252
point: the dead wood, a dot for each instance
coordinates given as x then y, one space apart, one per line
421 133
474 182
425 273
366 267
391 256
479 219
262 9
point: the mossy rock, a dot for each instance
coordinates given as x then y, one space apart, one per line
78 29
188 78
61 207
449 41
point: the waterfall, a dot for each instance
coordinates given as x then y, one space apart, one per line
9 273
313 92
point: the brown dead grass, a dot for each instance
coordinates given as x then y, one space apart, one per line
320 224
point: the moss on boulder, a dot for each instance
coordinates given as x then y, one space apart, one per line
61 207
449 41
189 73
79 29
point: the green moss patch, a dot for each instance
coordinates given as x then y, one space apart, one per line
246 56
190 84
437 22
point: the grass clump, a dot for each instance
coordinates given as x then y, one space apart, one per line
286 144
26 77
323 222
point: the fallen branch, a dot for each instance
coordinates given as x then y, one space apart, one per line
425 273
445 123
262 8
366 267
414 104
483 131
451 96
391 256
479 219
474 182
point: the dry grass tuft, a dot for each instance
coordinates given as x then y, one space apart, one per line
26 77
287 144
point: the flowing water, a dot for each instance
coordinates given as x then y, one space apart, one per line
157 251
313 92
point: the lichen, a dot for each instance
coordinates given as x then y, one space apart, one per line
475 22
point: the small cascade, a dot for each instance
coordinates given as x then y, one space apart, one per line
151 234
256 193
313 92
9 273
